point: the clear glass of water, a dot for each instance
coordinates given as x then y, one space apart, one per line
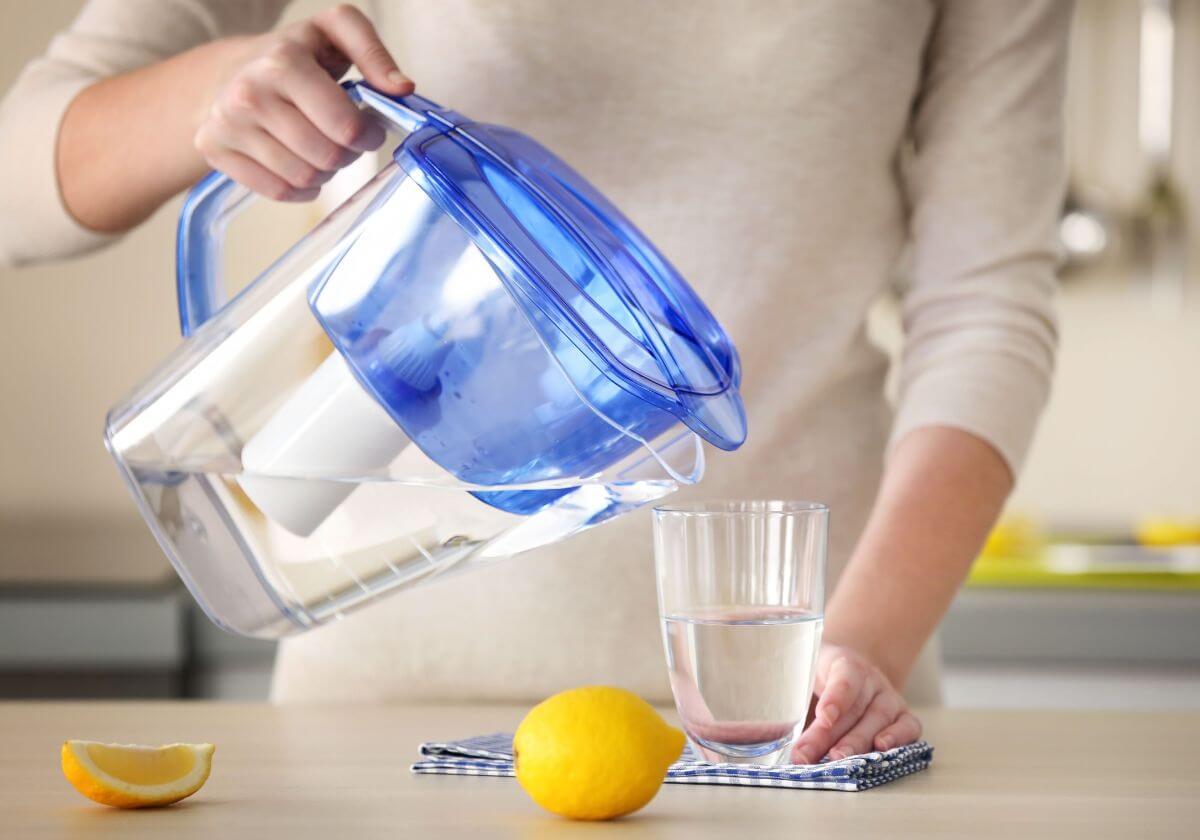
741 594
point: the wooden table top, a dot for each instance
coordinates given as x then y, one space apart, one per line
342 774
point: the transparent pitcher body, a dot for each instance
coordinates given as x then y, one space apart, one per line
273 533
474 356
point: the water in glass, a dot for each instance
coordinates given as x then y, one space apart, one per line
742 678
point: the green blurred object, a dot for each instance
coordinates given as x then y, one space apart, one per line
1080 565
1018 554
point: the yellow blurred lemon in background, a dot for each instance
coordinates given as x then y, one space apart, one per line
1163 532
1013 536
130 776
594 753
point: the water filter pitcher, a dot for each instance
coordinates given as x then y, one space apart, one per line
475 355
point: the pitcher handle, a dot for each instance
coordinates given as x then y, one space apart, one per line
217 198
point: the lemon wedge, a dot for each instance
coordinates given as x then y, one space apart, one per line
131 776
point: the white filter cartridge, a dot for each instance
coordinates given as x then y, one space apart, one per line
330 426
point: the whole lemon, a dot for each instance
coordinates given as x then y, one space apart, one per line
594 753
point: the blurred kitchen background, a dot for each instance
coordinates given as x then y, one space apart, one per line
1088 594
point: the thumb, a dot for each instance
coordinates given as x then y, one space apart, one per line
355 37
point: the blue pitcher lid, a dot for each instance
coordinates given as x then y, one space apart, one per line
562 247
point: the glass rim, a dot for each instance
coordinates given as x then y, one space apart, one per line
743 507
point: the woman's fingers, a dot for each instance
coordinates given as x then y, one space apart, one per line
282 123
235 127
250 174
843 690
808 748
322 101
349 30
278 159
287 125
882 711
815 742
857 709
905 730
848 687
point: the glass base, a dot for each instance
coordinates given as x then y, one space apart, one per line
773 752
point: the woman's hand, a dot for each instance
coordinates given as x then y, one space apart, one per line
857 710
280 124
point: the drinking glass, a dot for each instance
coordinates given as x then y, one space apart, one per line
741 595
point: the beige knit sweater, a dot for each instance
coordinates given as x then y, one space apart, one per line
783 155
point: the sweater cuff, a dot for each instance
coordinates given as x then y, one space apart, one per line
998 402
35 222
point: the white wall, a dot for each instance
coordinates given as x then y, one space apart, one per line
1121 438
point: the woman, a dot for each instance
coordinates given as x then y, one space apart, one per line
783 156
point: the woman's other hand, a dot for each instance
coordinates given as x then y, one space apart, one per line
280 123
858 710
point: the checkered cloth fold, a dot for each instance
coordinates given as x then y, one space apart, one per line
491 755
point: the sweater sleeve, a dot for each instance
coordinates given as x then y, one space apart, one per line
107 38
984 184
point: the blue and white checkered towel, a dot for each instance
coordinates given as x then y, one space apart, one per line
491 755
